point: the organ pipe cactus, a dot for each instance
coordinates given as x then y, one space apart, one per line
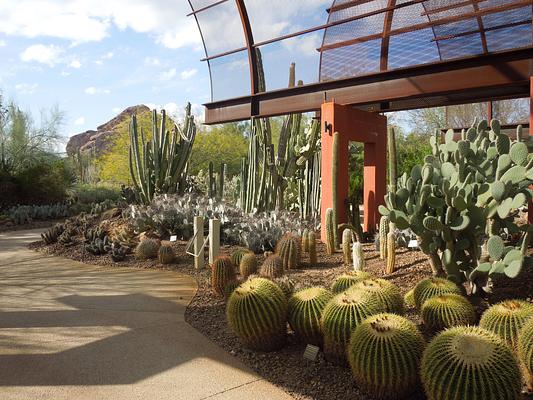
385 351
304 313
507 318
465 190
468 362
157 166
222 272
257 312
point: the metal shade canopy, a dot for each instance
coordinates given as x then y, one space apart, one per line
377 55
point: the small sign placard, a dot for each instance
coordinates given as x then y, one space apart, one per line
173 238
413 244
311 352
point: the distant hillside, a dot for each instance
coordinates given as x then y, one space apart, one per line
98 140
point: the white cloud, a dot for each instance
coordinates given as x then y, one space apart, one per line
188 73
79 121
92 20
167 75
75 64
26 88
94 90
41 53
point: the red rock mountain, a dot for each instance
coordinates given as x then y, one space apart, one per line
98 140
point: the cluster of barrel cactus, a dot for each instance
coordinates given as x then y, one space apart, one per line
465 190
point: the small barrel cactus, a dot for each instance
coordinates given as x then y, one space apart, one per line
506 318
386 292
431 287
288 248
286 285
344 281
166 254
385 351
468 362
305 311
248 264
237 255
147 248
447 310
525 352
257 312
222 273
383 231
346 246
311 243
358 256
272 267
339 318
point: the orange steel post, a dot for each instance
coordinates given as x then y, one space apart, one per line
353 125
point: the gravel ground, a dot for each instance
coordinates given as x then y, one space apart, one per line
287 368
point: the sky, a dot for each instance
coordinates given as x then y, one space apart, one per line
94 58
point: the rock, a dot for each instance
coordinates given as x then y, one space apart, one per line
97 141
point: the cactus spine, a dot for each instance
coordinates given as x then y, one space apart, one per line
358 256
165 254
222 273
385 351
304 313
391 253
346 241
468 362
383 231
311 240
334 178
248 265
288 248
507 318
257 312
330 229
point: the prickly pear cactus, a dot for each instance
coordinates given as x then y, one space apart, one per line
465 190
344 281
428 288
340 317
507 318
447 310
387 293
288 248
468 362
222 272
305 311
257 312
385 351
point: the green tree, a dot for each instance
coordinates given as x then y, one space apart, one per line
222 143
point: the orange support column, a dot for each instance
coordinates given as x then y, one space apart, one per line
353 125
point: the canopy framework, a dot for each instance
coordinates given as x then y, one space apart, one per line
379 55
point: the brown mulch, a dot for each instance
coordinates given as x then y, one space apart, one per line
286 368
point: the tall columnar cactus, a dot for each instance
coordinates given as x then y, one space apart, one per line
385 351
346 246
340 317
288 248
467 362
383 231
507 318
431 287
344 281
311 242
525 352
166 254
358 256
257 312
391 253
330 230
305 311
334 188
157 166
272 267
465 190
222 272
387 293
248 265
447 310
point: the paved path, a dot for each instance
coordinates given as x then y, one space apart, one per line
74 331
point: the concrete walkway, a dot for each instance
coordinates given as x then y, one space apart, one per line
74 331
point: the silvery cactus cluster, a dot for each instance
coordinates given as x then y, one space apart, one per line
468 190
